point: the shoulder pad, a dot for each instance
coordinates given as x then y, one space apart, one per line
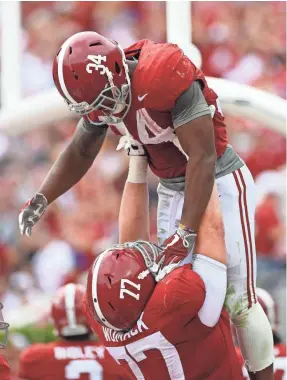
163 73
34 352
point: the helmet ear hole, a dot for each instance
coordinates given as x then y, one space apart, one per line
95 44
118 68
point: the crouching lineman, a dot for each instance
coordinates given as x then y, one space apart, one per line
175 329
5 372
75 355
280 363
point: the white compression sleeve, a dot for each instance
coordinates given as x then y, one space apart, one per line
213 274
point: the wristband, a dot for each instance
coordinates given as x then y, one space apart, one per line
184 228
188 236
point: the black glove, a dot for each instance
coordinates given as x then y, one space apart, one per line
32 211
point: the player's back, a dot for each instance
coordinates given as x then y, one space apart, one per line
61 360
169 340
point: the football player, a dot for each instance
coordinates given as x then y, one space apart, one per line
175 329
154 94
74 355
280 362
5 371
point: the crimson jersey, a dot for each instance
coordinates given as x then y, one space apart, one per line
5 372
163 73
61 360
169 340
280 362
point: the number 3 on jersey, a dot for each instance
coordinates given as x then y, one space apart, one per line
76 368
136 353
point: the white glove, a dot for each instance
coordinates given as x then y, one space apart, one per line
133 147
32 211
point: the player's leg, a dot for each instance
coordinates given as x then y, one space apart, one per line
134 210
237 197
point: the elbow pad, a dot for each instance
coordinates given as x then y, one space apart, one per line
214 276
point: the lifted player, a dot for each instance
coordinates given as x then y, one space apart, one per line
5 371
154 93
280 362
75 355
177 328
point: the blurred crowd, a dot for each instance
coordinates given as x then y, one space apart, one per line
240 41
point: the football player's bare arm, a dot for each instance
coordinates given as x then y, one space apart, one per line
68 169
194 130
210 260
210 238
134 213
134 210
74 162
197 140
200 148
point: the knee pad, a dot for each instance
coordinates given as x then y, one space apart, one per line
255 337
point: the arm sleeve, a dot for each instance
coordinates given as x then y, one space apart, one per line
190 105
213 274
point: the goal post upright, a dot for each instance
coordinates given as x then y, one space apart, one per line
236 99
178 22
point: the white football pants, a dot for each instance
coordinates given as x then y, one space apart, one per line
237 199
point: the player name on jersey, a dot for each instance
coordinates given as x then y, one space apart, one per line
77 352
118 336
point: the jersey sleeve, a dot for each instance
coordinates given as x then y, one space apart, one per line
182 292
190 105
168 75
5 372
